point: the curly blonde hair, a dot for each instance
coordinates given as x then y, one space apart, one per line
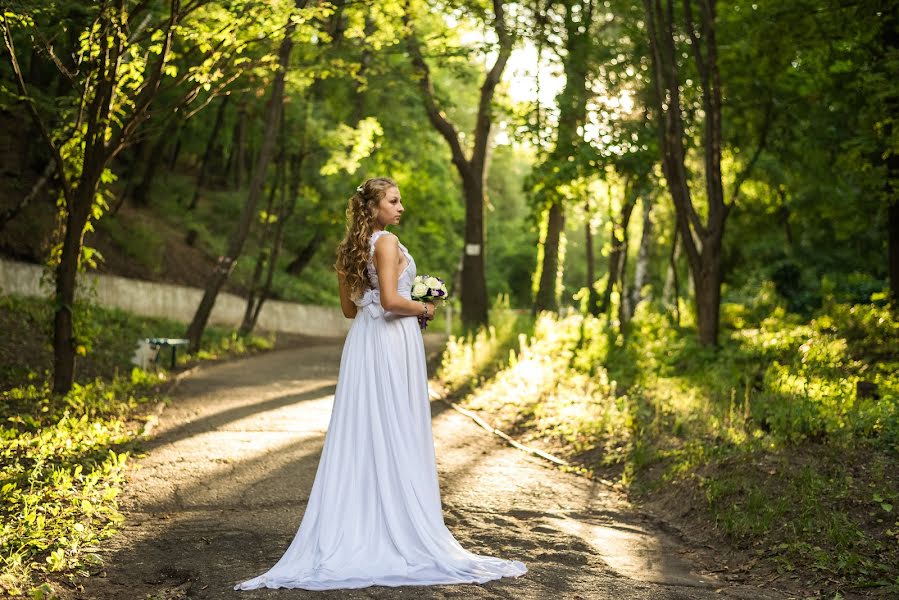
353 250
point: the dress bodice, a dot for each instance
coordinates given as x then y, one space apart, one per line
406 277
372 296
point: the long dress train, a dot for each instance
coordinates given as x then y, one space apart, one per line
374 515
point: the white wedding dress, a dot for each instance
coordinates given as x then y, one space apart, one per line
374 515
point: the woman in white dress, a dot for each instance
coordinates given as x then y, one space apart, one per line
374 515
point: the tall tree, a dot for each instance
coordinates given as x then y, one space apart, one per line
473 170
889 58
702 241
212 145
115 94
238 237
562 164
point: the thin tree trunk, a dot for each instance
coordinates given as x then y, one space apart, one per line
176 150
288 204
472 170
619 237
262 258
236 157
592 294
672 286
547 294
623 295
211 147
238 238
893 247
890 37
304 256
641 271
11 213
141 192
136 158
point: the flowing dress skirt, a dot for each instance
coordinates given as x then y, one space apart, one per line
374 515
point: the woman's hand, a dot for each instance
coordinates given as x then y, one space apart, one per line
432 310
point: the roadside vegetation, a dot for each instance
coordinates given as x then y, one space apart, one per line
63 457
783 443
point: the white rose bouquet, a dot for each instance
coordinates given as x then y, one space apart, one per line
427 288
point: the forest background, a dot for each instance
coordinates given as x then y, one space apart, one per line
671 228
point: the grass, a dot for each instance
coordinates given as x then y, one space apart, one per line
786 437
214 219
63 458
138 242
107 339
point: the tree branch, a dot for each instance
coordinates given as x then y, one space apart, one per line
482 126
148 92
436 116
36 117
743 176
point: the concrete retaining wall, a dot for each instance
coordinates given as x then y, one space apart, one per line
178 302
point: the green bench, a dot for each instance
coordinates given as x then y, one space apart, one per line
143 346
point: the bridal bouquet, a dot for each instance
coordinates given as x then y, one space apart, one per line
428 289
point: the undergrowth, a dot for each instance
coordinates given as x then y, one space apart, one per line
788 432
63 458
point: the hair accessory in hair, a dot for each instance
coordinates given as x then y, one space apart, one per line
359 189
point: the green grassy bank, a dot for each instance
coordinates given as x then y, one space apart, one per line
781 445
63 458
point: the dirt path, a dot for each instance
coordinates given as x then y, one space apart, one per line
222 487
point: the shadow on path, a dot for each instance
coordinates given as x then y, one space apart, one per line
222 489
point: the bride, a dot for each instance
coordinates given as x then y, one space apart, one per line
374 515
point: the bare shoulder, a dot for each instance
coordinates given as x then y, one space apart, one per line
386 241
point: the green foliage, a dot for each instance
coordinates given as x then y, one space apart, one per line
469 359
62 468
108 339
63 458
763 427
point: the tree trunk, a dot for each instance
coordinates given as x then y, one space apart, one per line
592 294
176 150
64 344
547 296
474 276
893 245
262 258
288 205
708 302
136 157
703 254
641 271
141 191
238 238
211 147
672 286
304 256
623 295
890 37
12 212
472 170
236 158
616 261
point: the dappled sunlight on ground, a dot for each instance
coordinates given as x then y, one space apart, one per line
222 489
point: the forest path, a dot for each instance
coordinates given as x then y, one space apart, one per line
223 484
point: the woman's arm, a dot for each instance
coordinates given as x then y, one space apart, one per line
387 257
346 303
